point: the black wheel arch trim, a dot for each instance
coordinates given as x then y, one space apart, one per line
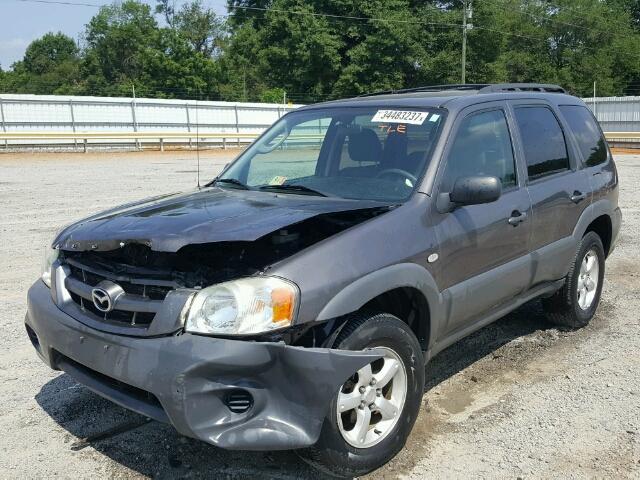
592 212
360 292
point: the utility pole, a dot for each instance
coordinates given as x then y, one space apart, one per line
244 83
133 112
467 13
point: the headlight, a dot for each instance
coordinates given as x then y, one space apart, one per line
50 256
241 307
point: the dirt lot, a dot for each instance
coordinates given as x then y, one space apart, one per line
519 399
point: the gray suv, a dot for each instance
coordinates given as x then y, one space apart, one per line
294 301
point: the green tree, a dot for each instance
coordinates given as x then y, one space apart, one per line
126 48
273 95
50 65
407 43
48 52
117 38
198 25
322 49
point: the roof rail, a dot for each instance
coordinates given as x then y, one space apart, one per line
430 88
522 87
477 87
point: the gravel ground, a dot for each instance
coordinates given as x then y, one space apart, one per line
518 399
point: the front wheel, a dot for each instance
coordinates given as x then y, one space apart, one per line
373 413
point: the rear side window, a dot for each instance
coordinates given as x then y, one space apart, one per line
482 146
587 133
545 149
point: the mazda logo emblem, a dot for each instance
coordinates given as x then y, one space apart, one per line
102 300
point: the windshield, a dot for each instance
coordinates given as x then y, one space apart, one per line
363 153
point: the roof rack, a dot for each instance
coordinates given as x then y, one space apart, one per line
523 87
478 88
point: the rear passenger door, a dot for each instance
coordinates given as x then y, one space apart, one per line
559 189
483 248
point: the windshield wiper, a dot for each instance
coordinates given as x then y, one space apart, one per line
294 188
232 181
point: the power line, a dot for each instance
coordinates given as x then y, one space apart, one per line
540 17
355 17
344 17
63 2
402 21
551 19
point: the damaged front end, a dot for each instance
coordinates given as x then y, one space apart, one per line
234 394
199 265
151 289
123 289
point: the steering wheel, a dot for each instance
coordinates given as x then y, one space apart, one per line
397 172
267 148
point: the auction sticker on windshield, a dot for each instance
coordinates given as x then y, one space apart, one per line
400 116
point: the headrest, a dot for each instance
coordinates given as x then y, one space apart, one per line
395 149
364 146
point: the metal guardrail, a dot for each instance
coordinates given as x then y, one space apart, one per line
100 121
629 140
622 135
161 137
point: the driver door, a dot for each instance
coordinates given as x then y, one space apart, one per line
484 259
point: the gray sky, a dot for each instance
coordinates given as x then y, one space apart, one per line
22 22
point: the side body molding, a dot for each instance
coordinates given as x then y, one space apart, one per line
358 293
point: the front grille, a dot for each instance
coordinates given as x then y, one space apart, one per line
154 292
87 278
118 317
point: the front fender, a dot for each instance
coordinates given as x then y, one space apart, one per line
358 293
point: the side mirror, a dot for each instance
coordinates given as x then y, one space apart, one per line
475 190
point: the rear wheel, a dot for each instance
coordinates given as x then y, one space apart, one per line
575 304
372 414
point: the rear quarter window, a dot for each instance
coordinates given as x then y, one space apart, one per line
587 133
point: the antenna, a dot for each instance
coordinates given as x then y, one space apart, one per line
198 139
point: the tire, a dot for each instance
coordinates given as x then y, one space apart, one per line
567 307
333 454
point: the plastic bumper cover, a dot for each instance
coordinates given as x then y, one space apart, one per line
616 222
185 379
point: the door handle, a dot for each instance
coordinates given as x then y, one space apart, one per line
577 196
517 218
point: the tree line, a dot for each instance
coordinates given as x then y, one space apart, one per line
314 50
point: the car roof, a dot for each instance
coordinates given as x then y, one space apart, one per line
455 97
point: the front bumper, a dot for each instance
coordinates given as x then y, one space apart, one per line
185 379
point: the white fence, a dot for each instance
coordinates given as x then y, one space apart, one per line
616 114
24 118
50 121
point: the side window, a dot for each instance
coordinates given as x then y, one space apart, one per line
482 146
545 149
587 133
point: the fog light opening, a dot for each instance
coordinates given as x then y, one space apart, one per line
33 337
238 401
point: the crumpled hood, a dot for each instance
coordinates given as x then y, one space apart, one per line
212 214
